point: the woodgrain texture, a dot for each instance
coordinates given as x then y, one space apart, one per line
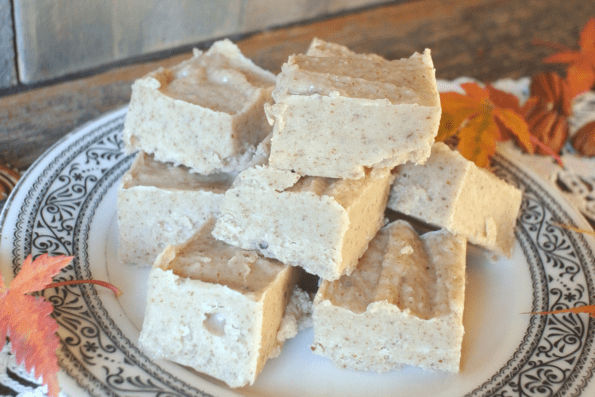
8 74
485 39
264 14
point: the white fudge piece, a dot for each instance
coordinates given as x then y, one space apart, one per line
338 112
453 193
159 204
205 113
216 308
321 224
403 305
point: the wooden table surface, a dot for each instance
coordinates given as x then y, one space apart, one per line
484 39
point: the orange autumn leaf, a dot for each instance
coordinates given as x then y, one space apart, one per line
475 91
580 78
581 69
515 124
480 118
477 139
458 109
503 99
590 309
26 319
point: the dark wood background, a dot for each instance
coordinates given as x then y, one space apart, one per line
484 39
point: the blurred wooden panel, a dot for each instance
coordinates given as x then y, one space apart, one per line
33 120
60 37
343 5
484 39
264 14
56 38
8 74
145 26
261 14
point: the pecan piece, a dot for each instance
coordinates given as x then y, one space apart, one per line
584 140
550 127
553 92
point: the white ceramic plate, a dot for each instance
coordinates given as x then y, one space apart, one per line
66 204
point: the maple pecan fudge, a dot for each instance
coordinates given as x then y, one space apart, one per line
321 48
216 308
160 204
205 113
337 113
453 193
321 224
403 305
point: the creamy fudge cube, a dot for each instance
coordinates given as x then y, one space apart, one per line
160 204
453 193
205 113
216 308
321 224
403 305
337 113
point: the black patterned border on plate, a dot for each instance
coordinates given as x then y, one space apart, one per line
555 357
55 218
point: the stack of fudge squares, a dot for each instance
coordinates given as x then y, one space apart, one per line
244 182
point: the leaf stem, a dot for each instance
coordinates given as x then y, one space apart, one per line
546 149
104 284
589 309
575 229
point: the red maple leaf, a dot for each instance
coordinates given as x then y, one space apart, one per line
26 320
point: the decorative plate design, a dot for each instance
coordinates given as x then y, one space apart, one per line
65 204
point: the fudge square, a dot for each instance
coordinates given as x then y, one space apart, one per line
403 305
216 308
160 204
321 48
321 224
453 193
205 113
337 113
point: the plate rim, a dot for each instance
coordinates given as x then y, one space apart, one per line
28 181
